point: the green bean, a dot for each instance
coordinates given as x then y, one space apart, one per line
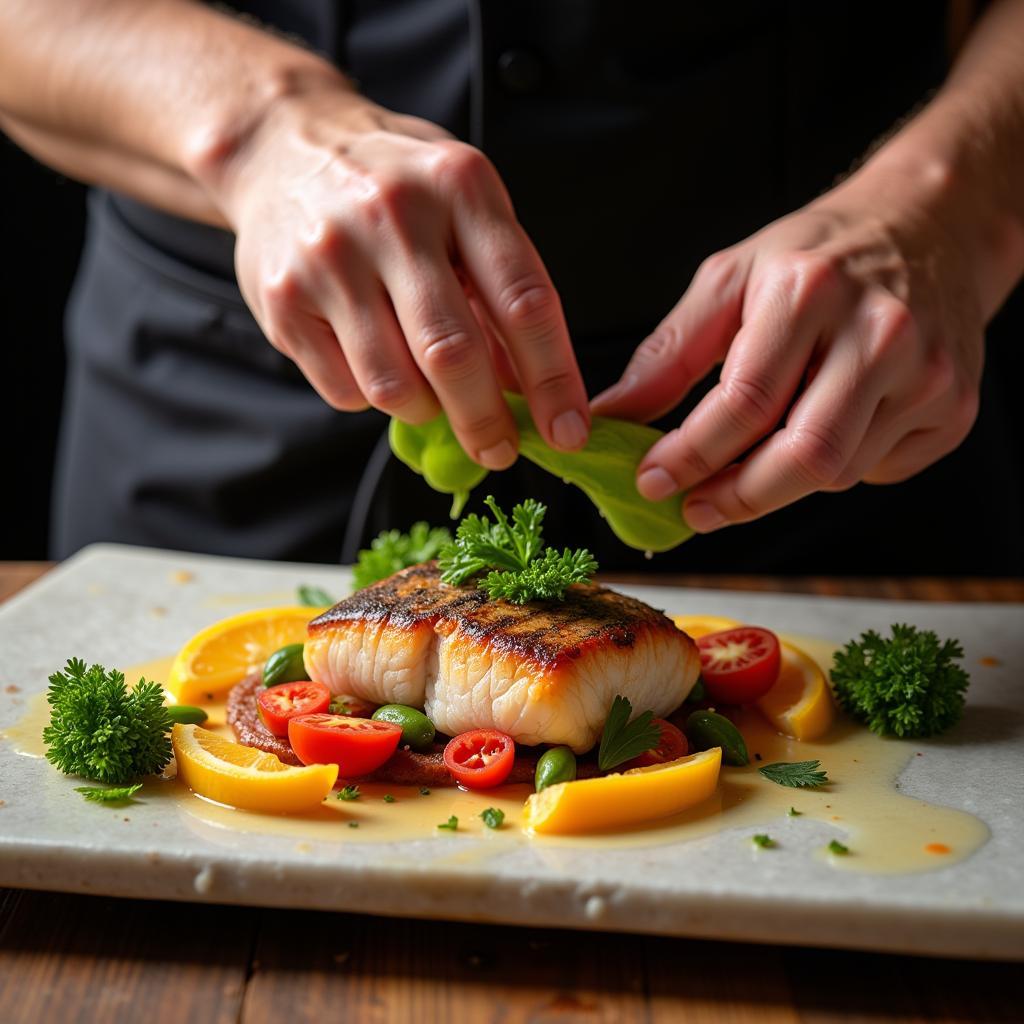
555 765
417 729
186 714
705 729
285 666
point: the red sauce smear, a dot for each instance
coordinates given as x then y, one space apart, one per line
404 768
937 848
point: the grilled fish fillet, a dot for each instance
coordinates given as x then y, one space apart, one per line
541 672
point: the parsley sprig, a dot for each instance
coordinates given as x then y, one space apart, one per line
521 568
907 684
103 731
796 774
393 550
622 740
109 794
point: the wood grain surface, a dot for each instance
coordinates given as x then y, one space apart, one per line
68 959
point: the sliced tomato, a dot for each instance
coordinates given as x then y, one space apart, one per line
671 746
278 704
357 746
481 758
739 665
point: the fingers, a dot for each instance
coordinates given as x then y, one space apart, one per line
822 437
521 302
762 371
683 348
449 348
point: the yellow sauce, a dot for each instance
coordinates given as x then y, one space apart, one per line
885 830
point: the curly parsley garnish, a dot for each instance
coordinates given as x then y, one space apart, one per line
765 842
521 568
904 685
393 550
798 774
103 731
349 793
622 740
109 794
493 817
451 824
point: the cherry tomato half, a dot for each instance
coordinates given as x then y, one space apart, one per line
739 665
481 758
671 746
277 704
357 746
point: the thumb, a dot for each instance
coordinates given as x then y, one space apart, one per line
694 336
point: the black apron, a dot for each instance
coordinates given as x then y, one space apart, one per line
635 140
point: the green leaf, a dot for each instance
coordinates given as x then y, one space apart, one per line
794 813
907 684
451 824
424 791
493 817
109 794
313 596
622 740
797 774
765 842
388 798
838 848
103 731
349 793
391 551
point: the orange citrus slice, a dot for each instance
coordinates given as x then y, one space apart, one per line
223 654
700 625
800 703
626 798
229 773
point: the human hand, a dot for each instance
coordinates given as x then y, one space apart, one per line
851 337
384 258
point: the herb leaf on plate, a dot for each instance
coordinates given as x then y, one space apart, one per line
797 774
315 597
109 794
622 740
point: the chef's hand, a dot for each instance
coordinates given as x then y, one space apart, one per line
385 259
850 335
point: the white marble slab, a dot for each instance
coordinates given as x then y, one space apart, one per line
119 605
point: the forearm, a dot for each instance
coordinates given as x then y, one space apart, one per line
962 157
144 98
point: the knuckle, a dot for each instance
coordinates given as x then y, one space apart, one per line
748 400
717 270
448 349
893 329
391 200
940 377
557 383
528 301
388 392
805 275
281 291
816 452
481 427
460 166
345 399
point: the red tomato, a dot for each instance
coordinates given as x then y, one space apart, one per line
739 665
671 746
481 758
277 704
357 746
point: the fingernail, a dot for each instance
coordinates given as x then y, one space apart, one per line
498 456
702 516
655 483
569 430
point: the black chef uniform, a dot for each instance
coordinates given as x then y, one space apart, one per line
635 139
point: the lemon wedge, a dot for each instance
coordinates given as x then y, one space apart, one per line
230 773
223 654
627 798
700 625
800 703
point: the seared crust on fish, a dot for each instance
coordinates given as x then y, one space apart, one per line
544 672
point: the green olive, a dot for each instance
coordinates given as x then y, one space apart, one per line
555 765
186 714
698 693
285 666
417 729
706 729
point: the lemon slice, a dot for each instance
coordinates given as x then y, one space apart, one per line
230 773
800 703
623 799
223 654
700 625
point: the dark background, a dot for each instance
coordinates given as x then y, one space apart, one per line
44 218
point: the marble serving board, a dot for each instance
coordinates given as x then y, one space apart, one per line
120 606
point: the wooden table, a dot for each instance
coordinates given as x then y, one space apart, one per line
83 958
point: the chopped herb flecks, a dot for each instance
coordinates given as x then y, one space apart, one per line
493 817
